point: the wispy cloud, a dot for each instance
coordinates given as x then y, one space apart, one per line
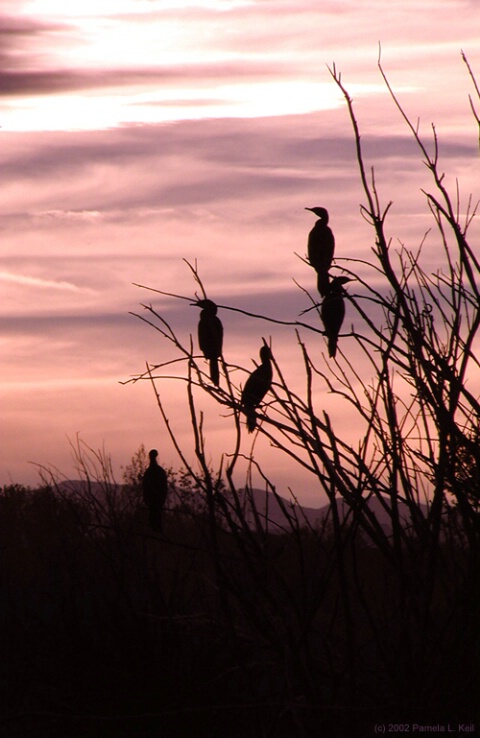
165 62
39 282
89 216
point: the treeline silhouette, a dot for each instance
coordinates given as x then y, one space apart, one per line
112 630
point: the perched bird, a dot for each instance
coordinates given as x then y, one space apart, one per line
210 336
256 387
321 246
332 312
155 488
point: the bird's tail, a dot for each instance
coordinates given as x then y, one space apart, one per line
155 518
323 280
251 418
332 346
214 372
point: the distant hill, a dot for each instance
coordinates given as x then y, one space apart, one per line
268 510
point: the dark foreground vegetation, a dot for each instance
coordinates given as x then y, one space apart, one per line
109 630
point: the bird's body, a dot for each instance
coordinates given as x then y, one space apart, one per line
321 247
155 489
210 336
333 312
256 387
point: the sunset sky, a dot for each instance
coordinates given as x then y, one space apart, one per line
139 133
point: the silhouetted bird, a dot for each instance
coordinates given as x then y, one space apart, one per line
210 336
333 312
155 488
321 246
256 387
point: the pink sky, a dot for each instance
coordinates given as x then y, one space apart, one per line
138 133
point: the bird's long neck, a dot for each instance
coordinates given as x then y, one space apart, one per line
267 365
